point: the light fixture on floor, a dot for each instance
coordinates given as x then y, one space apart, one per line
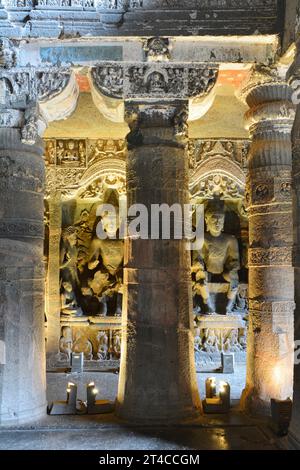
213 403
67 407
96 406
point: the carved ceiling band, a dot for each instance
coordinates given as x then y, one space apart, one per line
159 80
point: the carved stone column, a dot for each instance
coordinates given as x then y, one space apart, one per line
157 373
271 277
22 285
22 379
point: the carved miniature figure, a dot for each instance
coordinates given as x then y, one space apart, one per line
60 151
83 344
156 83
102 339
70 155
97 151
156 49
212 341
69 305
116 345
232 342
50 152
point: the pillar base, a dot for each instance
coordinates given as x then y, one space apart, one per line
253 405
160 415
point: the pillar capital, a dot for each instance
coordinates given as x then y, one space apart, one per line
22 94
157 123
264 85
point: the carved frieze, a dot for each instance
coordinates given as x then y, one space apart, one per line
66 153
86 4
137 17
21 228
154 80
51 83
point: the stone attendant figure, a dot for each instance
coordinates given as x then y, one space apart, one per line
218 258
66 342
69 256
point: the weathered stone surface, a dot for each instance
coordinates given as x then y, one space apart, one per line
22 379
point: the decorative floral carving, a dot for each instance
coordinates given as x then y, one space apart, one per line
98 187
217 185
62 179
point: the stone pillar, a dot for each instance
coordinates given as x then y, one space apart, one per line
53 272
22 359
271 277
157 373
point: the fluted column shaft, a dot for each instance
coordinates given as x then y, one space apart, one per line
157 374
22 364
271 277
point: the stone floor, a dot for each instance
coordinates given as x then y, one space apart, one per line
107 383
92 436
105 432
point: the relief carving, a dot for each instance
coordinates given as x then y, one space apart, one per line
157 49
173 81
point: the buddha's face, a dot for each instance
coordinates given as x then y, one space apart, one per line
109 223
215 223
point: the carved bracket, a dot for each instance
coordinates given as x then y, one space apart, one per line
20 88
163 81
